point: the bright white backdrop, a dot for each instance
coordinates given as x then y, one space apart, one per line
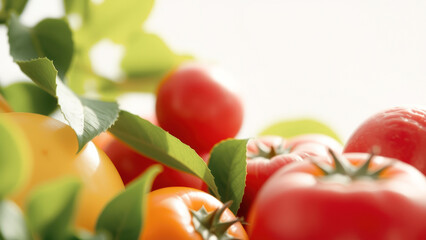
338 61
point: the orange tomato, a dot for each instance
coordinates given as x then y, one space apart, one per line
4 106
54 147
169 214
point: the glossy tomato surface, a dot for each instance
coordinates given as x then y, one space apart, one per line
399 133
54 147
301 202
195 108
169 214
267 154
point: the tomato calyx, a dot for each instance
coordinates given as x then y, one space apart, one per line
345 172
268 152
208 224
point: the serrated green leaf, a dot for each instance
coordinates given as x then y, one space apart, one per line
87 117
12 222
51 208
123 217
51 38
157 144
15 157
229 167
295 127
28 97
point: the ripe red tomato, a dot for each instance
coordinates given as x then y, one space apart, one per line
195 108
266 155
130 164
170 215
399 133
352 198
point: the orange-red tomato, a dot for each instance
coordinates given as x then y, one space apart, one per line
54 147
169 214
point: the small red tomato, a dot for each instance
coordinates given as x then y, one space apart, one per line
398 132
358 196
180 213
195 108
265 155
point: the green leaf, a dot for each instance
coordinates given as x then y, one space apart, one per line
229 167
27 97
12 222
123 217
121 20
155 143
15 157
51 38
50 208
87 117
147 55
77 6
14 5
294 127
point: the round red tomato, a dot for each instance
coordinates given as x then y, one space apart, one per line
181 214
356 197
130 164
195 108
399 133
266 155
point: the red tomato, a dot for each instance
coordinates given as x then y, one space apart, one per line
170 216
130 164
399 133
195 108
265 155
375 199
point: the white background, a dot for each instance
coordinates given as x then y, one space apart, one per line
339 61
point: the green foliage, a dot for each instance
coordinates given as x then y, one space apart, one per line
28 97
15 157
87 117
51 207
11 6
158 144
12 222
229 167
123 217
51 38
294 127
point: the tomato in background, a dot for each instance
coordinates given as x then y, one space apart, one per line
356 197
398 132
130 164
194 107
54 147
169 216
267 154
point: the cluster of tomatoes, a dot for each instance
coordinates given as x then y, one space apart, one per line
306 187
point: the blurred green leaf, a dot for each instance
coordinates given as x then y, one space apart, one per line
51 38
157 144
28 97
80 7
12 222
294 127
229 167
51 207
123 217
11 6
143 61
15 157
87 117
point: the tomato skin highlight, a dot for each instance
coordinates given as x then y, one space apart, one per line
399 132
54 147
259 169
296 203
169 217
195 108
